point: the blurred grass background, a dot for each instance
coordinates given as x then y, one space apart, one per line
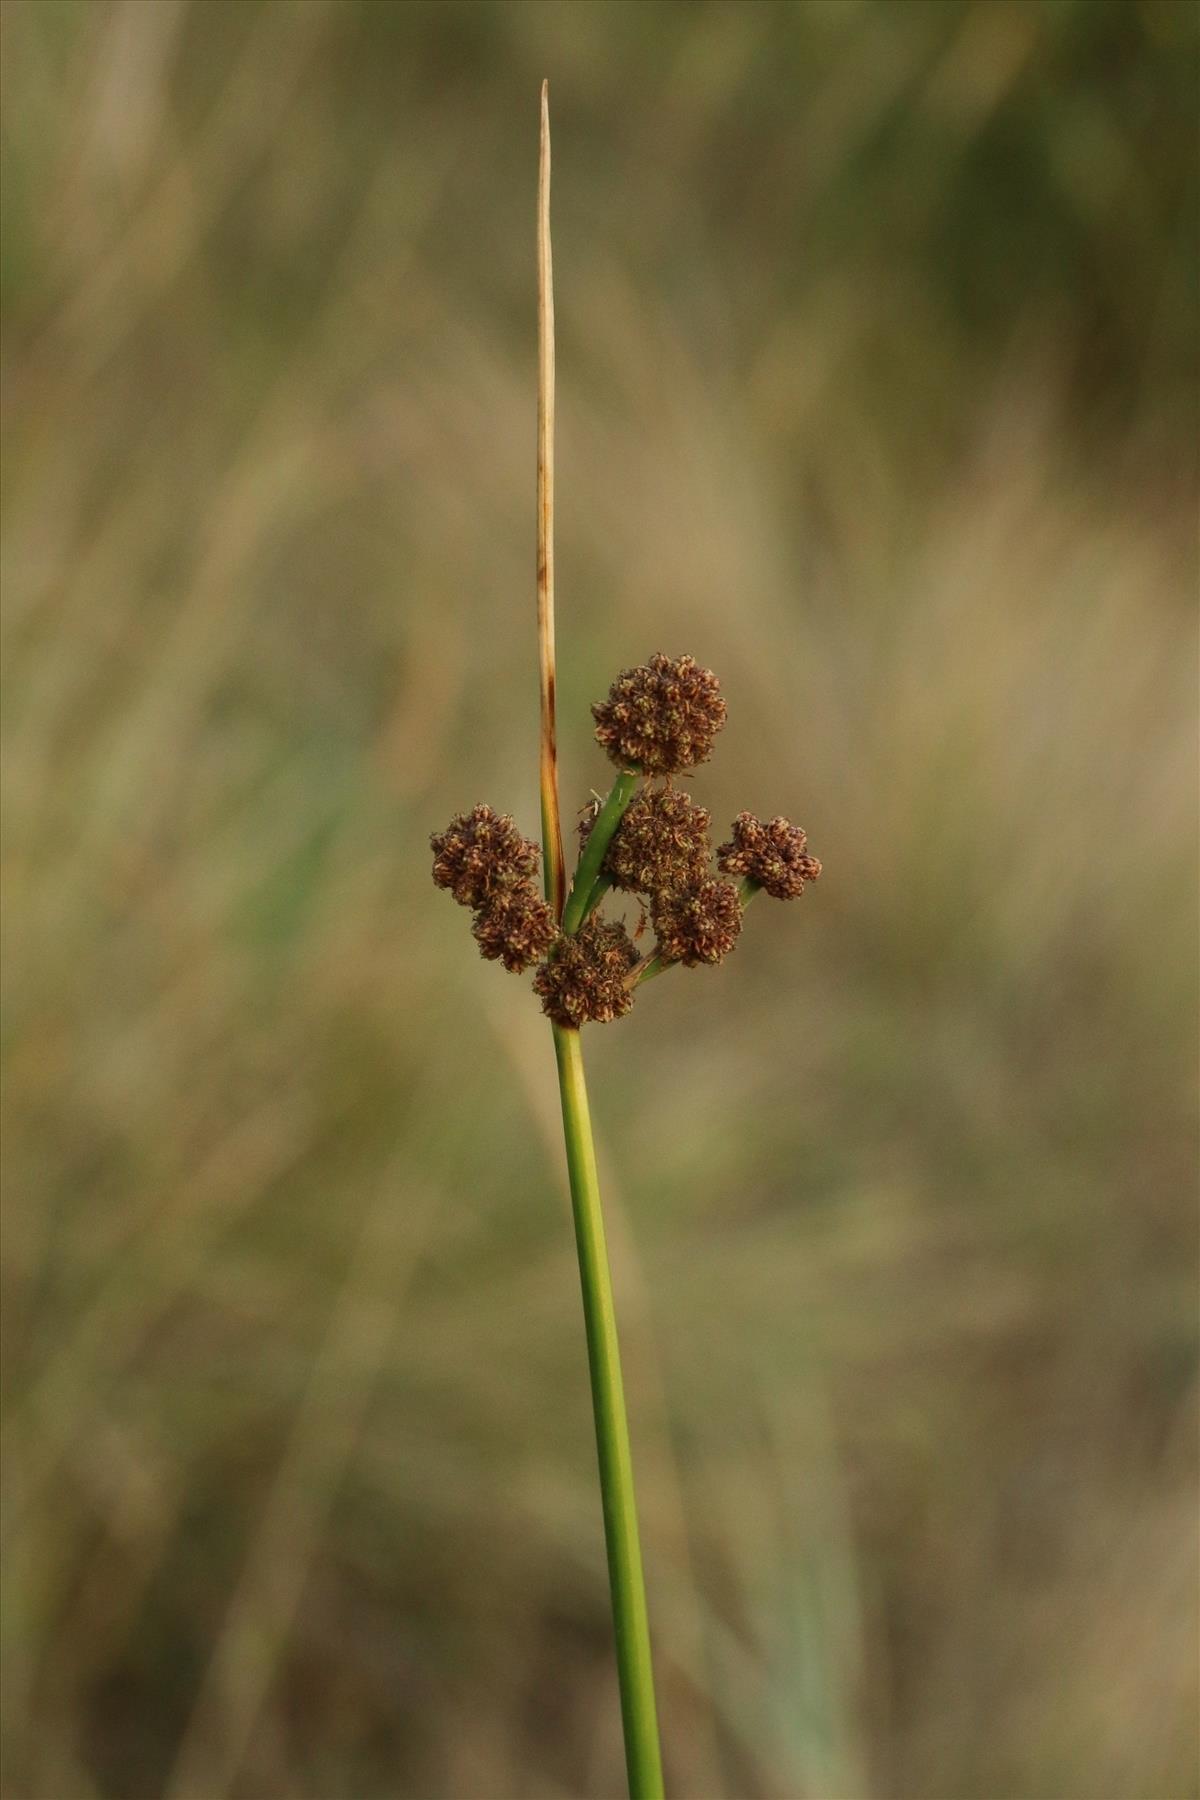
877 388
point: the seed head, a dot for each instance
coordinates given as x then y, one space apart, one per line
583 978
773 855
481 853
660 845
514 926
700 925
662 716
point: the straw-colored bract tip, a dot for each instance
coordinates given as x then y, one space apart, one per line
555 870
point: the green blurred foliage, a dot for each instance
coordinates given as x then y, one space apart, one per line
878 393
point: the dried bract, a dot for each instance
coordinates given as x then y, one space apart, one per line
583 979
515 927
662 716
661 844
773 855
700 925
481 853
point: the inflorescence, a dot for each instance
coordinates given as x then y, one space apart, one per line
661 843
697 924
661 717
772 856
586 977
483 860
659 720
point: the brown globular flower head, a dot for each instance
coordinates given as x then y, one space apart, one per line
584 977
660 845
773 855
480 854
515 926
662 716
700 925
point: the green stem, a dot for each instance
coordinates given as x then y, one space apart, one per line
635 1670
653 967
600 887
607 819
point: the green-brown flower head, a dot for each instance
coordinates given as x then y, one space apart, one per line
515 926
700 925
660 845
772 855
481 853
661 717
584 977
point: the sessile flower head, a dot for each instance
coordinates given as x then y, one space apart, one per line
584 977
515 926
700 925
662 716
773 855
480 854
661 844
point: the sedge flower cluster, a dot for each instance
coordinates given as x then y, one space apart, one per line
658 721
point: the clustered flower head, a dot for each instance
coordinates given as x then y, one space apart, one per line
481 853
515 927
483 860
660 719
660 844
585 977
697 924
773 856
